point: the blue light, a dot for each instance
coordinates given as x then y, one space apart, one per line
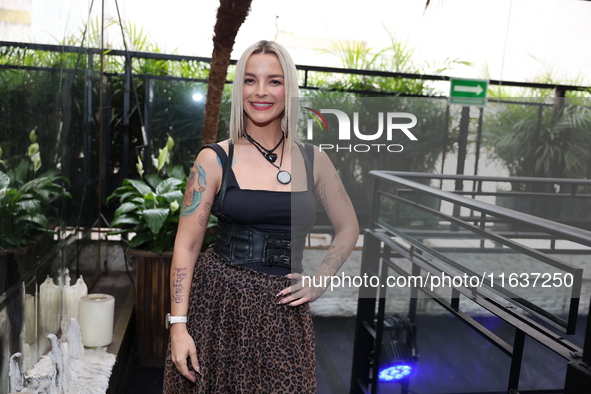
394 372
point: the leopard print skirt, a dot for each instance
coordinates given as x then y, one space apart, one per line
246 342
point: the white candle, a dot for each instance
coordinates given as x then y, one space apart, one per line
72 295
50 302
30 319
95 315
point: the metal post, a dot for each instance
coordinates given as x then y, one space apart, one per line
536 144
88 160
462 151
578 374
379 328
374 210
146 131
478 142
126 110
63 138
364 332
444 144
587 344
107 128
515 372
462 145
414 295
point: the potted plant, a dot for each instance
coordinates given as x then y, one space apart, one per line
149 211
27 202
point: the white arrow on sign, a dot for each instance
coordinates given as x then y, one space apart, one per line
469 89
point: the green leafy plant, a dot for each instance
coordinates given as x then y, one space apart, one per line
539 140
150 207
26 197
398 56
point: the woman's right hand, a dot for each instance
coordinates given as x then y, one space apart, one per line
183 348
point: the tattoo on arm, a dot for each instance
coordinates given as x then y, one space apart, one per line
204 217
321 194
342 191
194 193
178 290
335 257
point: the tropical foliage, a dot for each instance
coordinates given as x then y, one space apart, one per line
398 56
150 207
537 139
64 106
27 197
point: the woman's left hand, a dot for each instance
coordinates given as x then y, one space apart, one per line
300 291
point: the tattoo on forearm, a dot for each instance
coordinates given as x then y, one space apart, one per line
194 193
335 257
178 290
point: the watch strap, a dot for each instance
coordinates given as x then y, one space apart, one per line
174 319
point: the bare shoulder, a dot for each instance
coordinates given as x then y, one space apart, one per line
323 166
209 157
208 166
321 159
319 154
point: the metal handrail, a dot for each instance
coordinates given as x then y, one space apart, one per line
385 244
422 175
556 229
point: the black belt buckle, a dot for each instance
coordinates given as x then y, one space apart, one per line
278 243
277 260
277 251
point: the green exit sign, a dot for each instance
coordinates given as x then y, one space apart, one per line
468 92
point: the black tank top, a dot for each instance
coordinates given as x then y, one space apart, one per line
267 210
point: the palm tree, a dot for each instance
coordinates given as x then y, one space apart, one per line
231 15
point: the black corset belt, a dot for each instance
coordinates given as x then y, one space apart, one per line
239 244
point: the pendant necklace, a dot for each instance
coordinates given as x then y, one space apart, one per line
283 176
269 155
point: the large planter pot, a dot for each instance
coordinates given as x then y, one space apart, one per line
152 303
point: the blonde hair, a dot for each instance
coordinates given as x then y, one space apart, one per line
290 77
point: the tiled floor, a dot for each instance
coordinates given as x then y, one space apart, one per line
453 359
334 350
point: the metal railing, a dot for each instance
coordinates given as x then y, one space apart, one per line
562 200
408 220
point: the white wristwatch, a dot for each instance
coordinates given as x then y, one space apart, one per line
174 319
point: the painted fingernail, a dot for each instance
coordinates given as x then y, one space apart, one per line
279 294
280 302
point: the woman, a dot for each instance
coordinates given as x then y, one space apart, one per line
240 319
